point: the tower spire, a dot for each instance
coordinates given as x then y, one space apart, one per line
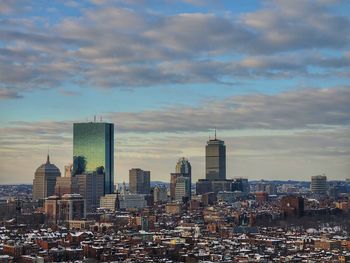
48 154
215 133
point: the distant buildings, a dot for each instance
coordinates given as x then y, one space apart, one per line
237 184
139 181
45 180
215 160
182 188
110 202
133 201
319 184
93 150
91 188
181 180
160 194
65 208
292 205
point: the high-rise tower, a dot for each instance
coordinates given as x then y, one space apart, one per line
93 150
215 159
139 181
45 180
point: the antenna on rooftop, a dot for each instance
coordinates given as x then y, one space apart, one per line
215 133
94 118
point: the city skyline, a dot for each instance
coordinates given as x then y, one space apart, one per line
271 76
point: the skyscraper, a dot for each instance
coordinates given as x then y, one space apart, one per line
183 168
215 160
93 150
139 181
91 187
319 184
45 180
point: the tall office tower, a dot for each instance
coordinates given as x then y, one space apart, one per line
183 167
160 194
93 150
67 184
241 184
215 159
45 180
182 187
319 184
139 181
173 177
91 188
68 169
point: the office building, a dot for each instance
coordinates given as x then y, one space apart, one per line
51 209
183 167
182 186
93 150
133 201
71 207
203 186
160 194
66 185
292 205
319 184
91 188
139 181
215 159
173 177
110 202
45 180
65 208
241 184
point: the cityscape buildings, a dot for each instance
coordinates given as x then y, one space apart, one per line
93 149
139 181
319 184
91 187
215 159
45 180
160 194
110 202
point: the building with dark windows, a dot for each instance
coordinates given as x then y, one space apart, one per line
91 188
93 150
215 160
45 180
292 205
319 184
139 181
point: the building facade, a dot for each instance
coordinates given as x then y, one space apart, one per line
45 180
160 194
139 181
93 150
110 202
91 187
215 160
319 184
182 188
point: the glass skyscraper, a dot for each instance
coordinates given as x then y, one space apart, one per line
215 160
93 150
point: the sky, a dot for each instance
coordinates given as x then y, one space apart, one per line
271 76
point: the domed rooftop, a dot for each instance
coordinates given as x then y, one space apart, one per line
48 168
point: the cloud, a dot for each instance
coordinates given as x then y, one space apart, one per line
116 45
9 94
289 110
